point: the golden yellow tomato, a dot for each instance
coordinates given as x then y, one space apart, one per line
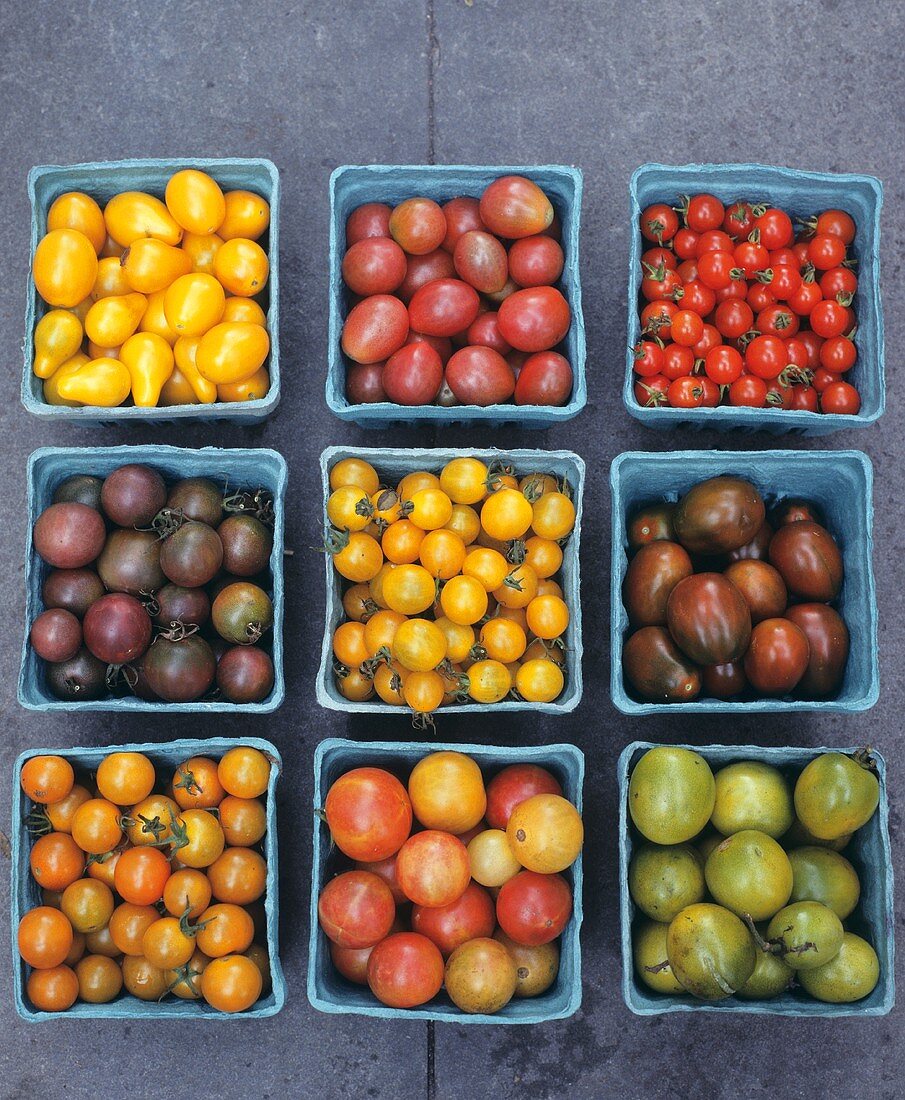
242 267
487 566
103 382
506 514
543 555
380 630
349 644
360 559
539 681
465 522
233 351
503 640
459 638
409 589
58 336
201 248
247 215
463 600
447 792
401 542
149 360
195 201
249 389
423 691
488 681
389 680
76 210
415 481
111 279
193 304
155 320
548 617
464 480
350 508
244 309
545 833
355 686
518 589
553 516
419 645
150 265
65 267
375 585
185 350
442 553
133 214
354 471
430 509
111 321
177 391
490 858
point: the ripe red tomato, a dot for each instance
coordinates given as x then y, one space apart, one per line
750 258
369 814
484 330
661 282
840 397
804 398
777 321
534 319
538 261
796 352
413 375
687 328
418 225
723 364
711 392
544 379
838 280
370 220
805 298
514 207
829 318
514 785
685 393
826 251
677 361
812 345
710 338
433 868
480 376
785 282
648 358
739 219
405 970
838 354
685 242
733 318
714 240
424 269
781 257
775 228
737 288
481 261
533 909
698 298
748 390
442 345
375 328
656 319
385 869
448 926
777 656
715 269
364 384
650 393
821 378
687 270
836 223
443 307
704 212
659 223
462 214
375 265
766 356
653 257
356 909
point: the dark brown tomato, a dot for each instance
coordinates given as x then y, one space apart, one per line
480 376
375 328
809 560
82 677
651 576
69 536
413 375
724 681
442 345
481 261
245 674
651 524
794 509
242 612
375 265
657 669
247 545
709 619
73 589
534 319
420 270
755 550
81 489
446 398
544 379
418 225
515 207
443 307
364 384
370 220
179 671
761 585
117 628
130 562
828 640
133 495
197 498
777 657
56 635
184 605
536 261
192 555
485 331
718 515
462 215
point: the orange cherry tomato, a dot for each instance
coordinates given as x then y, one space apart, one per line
243 820
196 784
244 771
56 861
44 937
125 778
187 892
225 929
238 875
231 984
97 826
46 778
141 874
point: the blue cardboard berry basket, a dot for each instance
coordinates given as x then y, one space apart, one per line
801 194
329 992
841 482
249 468
104 179
351 185
392 464
873 920
26 894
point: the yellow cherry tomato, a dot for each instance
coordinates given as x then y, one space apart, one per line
155 320
553 516
516 614
423 691
548 617
242 267
387 505
355 603
247 215
539 681
442 553
51 385
487 566
111 279
58 336
244 309
354 471
545 833
233 351
506 514
78 211
380 630
185 350
249 389
459 638
349 644
111 321
64 267
543 555
463 600
103 382
430 509
360 559
488 681
349 508
150 265
389 680
541 650
548 587
195 201
401 542
490 858
134 214
503 640
375 585
464 480
518 589
419 645
193 304
535 485
413 482
355 686
464 522
409 589
177 391
149 360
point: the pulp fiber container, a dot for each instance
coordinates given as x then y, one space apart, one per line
104 179
801 194
869 851
328 991
841 482
26 894
250 468
392 464
352 185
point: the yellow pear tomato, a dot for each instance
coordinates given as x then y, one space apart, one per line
111 321
98 351
134 214
242 267
177 391
201 248
247 215
155 320
249 389
232 351
150 265
149 360
185 350
65 267
194 304
244 309
103 382
111 279
76 210
195 201
111 249
51 385
58 336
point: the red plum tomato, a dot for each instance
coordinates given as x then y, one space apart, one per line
536 261
413 375
481 261
370 220
514 207
418 226
424 269
375 328
545 379
364 384
375 265
462 215
534 319
443 307
480 376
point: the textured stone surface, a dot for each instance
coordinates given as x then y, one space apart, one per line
312 85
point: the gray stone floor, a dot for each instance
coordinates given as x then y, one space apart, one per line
602 85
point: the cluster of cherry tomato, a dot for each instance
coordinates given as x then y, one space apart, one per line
157 301
452 594
154 590
738 308
456 304
722 600
154 893
453 883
